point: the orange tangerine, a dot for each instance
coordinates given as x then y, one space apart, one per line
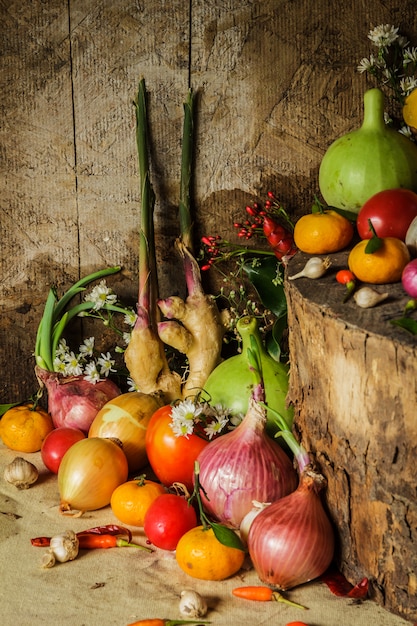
24 428
385 265
322 232
201 555
410 109
131 500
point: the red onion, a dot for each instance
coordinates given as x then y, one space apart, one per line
292 541
409 278
242 466
74 401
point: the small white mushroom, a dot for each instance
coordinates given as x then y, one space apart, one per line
192 604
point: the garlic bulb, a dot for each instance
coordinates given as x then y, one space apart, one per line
248 519
411 238
65 546
366 297
21 473
315 267
192 604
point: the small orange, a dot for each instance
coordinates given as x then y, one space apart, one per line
23 428
410 109
385 265
131 500
322 232
201 555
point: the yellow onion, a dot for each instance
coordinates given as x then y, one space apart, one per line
89 473
291 541
126 417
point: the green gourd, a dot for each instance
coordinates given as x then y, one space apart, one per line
365 161
230 383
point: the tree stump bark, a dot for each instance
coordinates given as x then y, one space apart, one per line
353 385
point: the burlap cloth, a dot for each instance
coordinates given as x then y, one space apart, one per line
121 585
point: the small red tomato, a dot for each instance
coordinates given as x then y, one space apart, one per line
167 519
56 444
345 276
296 624
390 211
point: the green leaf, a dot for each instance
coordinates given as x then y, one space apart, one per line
407 324
274 338
349 215
5 407
227 536
373 245
263 275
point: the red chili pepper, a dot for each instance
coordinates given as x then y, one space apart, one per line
109 529
279 238
164 622
346 277
339 586
260 593
90 541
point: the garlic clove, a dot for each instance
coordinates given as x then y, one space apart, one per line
65 546
48 560
192 604
366 297
315 267
21 473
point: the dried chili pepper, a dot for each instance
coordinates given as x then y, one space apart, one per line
110 530
341 587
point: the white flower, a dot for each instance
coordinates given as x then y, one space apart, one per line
87 347
73 366
183 416
127 337
132 386
406 130
59 366
407 85
101 295
105 363
130 318
91 373
62 349
383 35
216 426
410 56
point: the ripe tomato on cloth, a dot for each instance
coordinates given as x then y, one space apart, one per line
171 457
56 443
390 211
167 519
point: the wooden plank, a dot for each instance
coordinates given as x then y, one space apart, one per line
114 45
38 204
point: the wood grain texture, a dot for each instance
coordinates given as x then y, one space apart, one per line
354 394
276 83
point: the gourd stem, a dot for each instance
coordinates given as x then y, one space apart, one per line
373 118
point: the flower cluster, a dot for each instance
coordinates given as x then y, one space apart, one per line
394 64
188 417
100 303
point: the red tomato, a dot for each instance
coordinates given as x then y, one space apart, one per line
167 519
56 444
171 457
391 212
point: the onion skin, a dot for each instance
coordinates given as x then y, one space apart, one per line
126 418
89 473
72 400
292 541
242 466
409 278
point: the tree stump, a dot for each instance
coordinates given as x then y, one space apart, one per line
353 385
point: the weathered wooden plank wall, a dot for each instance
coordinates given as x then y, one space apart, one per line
276 83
